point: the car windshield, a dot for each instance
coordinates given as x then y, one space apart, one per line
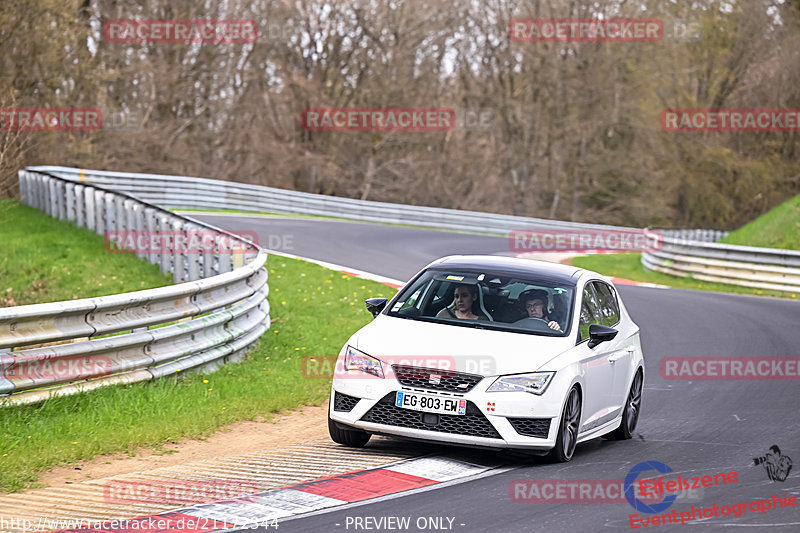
490 300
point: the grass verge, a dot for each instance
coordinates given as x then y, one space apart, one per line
629 266
313 312
48 260
777 228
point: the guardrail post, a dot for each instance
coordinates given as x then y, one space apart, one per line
166 256
128 222
29 198
91 215
109 213
69 202
80 207
224 259
209 256
52 206
24 187
99 212
120 217
194 259
149 221
179 274
60 200
138 225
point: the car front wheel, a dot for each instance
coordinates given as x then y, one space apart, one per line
567 436
355 438
630 416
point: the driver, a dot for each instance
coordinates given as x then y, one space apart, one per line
535 304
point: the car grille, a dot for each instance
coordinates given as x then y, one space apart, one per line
343 402
448 380
473 424
531 427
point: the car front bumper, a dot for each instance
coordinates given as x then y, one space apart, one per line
516 420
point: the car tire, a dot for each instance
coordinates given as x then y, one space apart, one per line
633 406
567 435
354 438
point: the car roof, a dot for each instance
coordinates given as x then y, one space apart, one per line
514 266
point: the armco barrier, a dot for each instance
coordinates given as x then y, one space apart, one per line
746 266
183 191
216 311
686 252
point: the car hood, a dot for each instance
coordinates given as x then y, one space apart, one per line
477 351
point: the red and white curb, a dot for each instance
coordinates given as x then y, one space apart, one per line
338 490
623 281
263 510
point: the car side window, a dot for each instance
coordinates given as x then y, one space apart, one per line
609 307
590 313
412 300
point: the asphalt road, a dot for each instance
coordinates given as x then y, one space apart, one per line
695 427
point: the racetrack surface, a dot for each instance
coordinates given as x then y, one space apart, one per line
696 427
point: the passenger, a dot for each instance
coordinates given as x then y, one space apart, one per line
464 297
535 303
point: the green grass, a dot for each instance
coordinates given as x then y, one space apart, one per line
778 228
313 312
48 260
629 266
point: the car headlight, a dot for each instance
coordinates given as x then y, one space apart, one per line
356 360
535 383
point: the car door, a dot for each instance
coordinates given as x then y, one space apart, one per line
597 367
622 356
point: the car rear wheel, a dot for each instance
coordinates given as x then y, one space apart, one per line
567 436
355 438
630 416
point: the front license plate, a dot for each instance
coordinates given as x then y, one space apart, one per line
430 404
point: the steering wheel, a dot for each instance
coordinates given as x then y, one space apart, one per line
530 321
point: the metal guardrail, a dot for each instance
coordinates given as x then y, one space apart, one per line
217 310
687 254
701 235
183 191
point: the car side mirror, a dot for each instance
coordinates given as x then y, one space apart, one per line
599 333
376 305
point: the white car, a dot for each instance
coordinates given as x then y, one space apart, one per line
492 351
